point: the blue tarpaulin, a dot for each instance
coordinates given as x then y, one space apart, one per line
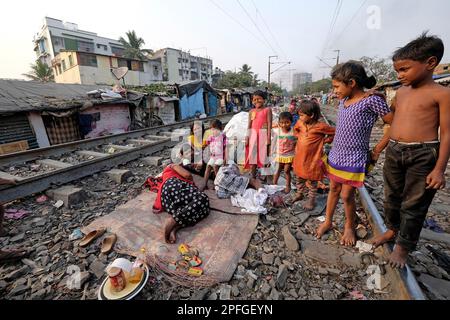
190 105
212 102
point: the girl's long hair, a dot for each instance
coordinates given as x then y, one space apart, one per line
353 70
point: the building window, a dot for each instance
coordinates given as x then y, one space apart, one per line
88 60
179 60
180 72
71 60
117 51
58 41
105 47
85 46
56 71
63 64
59 68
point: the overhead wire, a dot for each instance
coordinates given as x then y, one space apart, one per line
256 26
238 22
351 21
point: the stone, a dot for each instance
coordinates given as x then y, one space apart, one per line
437 271
244 263
282 277
18 237
19 290
289 239
251 283
153 161
328 295
293 293
434 236
185 294
70 195
225 292
3 285
199 295
119 176
265 287
235 291
19 282
212 296
302 292
323 271
97 268
29 263
17 273
268 258
438 287
39 295
361 233
274 295
302 217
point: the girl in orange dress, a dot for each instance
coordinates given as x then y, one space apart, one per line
311 135
259 137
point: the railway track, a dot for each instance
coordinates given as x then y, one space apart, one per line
39 169
407 287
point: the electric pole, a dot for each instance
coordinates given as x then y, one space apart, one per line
268 75
337 58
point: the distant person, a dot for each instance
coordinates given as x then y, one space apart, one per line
312 135
350 156
415 159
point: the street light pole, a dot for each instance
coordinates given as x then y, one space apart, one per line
268 75
337 58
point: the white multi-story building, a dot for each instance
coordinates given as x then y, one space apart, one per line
300 79
181 66
79 56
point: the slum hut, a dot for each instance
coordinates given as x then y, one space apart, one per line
197 98
35 114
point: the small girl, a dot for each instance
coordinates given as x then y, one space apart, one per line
284 140
312 135
217 142
260 134
350 155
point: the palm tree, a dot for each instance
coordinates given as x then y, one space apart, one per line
40 72
133 46
246 69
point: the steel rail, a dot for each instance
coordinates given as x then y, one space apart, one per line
406 275
33 154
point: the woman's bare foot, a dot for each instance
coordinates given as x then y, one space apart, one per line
310 204
170 225
173 234
349 237
323 228
383 238
398 257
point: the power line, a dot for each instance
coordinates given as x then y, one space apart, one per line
333 24
351 21
258 12
238 22
256 26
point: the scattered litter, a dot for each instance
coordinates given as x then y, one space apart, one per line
76 234
363 247
35 167
357 295
321 218
189 262
251 201
111 150
433 225
15 214
361 232
59 204
41 199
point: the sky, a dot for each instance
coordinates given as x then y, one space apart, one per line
237 32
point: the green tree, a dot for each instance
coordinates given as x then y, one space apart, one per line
381 69
246 69
40 72
133 46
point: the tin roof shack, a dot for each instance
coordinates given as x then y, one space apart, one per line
197 98
43 114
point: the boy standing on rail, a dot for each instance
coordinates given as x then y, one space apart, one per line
415 159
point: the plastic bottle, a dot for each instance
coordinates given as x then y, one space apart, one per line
138 267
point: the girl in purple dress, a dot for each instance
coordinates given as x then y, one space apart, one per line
350 156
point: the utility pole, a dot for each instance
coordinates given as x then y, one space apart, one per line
268 75
337 58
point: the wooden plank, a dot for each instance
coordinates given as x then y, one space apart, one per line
14 147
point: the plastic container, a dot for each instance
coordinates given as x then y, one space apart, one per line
138 267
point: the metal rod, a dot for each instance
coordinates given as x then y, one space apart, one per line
406 274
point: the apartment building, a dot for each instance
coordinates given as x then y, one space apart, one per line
300 79
181 66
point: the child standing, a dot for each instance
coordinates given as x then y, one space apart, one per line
260 134
312 135
284 141
415 159
349 156
217 142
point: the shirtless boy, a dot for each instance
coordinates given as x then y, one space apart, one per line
415 159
